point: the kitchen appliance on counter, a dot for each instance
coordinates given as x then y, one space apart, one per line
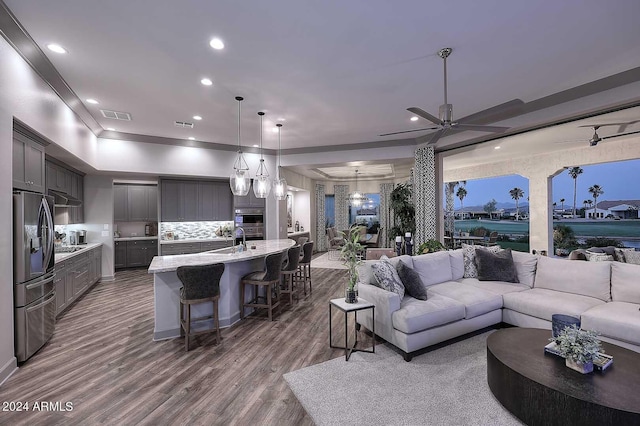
33 272
252 221
77 237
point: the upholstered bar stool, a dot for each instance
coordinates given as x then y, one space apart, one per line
269 280
304 267
200 284
288 272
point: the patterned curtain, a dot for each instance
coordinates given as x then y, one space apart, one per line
386 215
342 206
321 240
425 195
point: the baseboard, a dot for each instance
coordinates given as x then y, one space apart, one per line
108 278
8 369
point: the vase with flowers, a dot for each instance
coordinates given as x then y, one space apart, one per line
578 347
351 253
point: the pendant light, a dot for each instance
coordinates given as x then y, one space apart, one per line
261 183
280 184
239 180
356 198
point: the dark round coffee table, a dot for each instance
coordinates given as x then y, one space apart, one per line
540 390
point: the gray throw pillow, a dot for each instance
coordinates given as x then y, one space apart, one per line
387 277
411 281
496 266
632 257
469 258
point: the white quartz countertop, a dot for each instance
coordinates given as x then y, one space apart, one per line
196 240
263 248
297 234
135 238
59 257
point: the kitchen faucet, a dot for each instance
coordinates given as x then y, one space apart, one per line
244 237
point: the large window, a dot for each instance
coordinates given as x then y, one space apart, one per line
367 214
330 210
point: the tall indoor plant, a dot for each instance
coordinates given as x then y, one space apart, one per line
401 202
351 253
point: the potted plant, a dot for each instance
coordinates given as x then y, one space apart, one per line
579 348
401 203
351 254
430 246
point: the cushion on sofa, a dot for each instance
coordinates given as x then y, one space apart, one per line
457 264
597 256
387 277
433 268
525 266
496 266
619 320
497 287
411 281
542 303
365 273
475 300
469 256
417 315
618 253
585 278
625 283
632 257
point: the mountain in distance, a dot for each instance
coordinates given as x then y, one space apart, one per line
500 205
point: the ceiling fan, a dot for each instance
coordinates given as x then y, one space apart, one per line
597 138
445 122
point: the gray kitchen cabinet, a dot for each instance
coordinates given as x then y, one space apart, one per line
207 201
76 214
191 247
28 164
95 262
179 200
214 245
81 275
248 200
120 256
225 202
135 254
74 276
60 282
152 203
120 203
138 202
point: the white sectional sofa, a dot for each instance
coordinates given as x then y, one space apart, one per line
604 295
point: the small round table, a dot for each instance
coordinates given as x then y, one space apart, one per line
540 390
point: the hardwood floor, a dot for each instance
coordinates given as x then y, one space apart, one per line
102 360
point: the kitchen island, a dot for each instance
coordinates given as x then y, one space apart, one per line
166 285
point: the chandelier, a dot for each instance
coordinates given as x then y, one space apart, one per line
239 180
261 183
357 198
279 184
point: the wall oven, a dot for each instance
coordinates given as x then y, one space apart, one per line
252 221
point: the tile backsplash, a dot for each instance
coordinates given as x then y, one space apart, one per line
194 230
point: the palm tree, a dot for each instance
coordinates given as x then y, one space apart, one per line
574 172
595 191
516 194
461 193
589 203
562 202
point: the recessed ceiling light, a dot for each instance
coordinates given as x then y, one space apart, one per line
281 119
256 145
206 82
414 118
56 48
111 129
216 43
197 117
92 101
191 138
496 147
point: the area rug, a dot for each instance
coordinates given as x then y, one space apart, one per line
445 387
323 261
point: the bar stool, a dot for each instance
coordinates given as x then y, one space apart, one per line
304 267
289 270
200 284
269 279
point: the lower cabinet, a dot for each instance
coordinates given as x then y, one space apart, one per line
135 254
75 276
189 248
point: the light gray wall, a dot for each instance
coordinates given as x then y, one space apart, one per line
98 212
25 96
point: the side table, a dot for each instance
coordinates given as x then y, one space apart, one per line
352 307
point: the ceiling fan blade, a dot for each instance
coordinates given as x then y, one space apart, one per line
431 138
620 134
424 114
409 131
494 129
500 112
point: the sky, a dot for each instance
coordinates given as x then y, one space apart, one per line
618 180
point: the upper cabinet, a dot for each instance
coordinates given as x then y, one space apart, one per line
248 200
185 201
28 164
61 179
135 203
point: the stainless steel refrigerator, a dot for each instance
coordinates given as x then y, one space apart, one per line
33 272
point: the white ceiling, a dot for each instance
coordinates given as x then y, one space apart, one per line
338 72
